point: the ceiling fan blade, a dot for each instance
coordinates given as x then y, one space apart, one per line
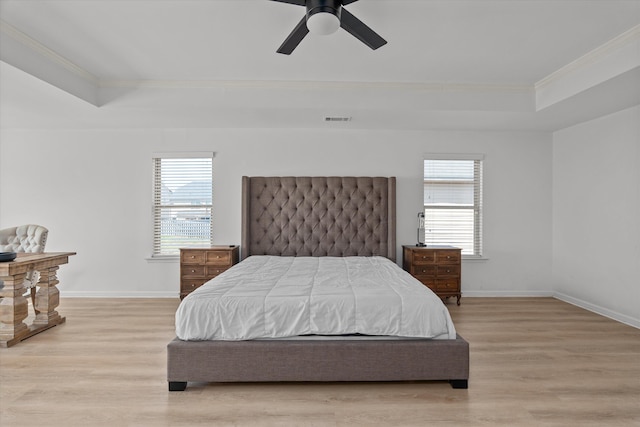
294 39
359 30
346 2
298 2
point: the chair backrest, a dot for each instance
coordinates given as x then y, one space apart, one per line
29 238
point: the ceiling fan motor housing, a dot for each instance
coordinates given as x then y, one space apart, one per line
327 6
323 16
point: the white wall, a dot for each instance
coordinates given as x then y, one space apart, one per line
596 211
92 189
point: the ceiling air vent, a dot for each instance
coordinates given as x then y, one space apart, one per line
337 119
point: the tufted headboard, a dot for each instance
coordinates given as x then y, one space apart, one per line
319 216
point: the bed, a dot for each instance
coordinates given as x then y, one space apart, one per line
332 221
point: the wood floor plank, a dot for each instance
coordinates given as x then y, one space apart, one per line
534 362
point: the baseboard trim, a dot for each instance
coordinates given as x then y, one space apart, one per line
619 317
507 294
119 294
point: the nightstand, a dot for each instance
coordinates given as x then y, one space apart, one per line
199 265
437 267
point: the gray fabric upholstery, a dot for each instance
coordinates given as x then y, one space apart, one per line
28 238
318 216
264 360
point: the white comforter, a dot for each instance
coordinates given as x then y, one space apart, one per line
276 297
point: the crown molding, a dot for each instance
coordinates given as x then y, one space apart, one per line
37 47
315 85
629 36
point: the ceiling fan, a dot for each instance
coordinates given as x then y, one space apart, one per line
325 17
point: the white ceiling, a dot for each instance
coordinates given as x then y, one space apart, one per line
468 64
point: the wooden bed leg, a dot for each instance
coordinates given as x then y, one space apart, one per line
459 383
177 385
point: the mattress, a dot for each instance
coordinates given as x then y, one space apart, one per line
270 297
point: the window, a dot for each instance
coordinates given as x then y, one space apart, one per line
453 202
182 201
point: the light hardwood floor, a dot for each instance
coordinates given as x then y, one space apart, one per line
534 362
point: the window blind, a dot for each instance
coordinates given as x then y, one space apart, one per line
453 203
182 202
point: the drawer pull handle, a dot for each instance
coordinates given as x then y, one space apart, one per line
193 271
193 256
448 257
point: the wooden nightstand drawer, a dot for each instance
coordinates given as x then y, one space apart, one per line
448 270
199 265
423 257
193 271
190 285
448 257
449 285
429 282
217 257
423 270
214 271
192 256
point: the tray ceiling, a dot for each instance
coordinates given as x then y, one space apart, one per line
444 59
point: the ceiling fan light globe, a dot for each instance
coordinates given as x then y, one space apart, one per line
323 23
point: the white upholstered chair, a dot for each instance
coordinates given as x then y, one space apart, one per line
29 238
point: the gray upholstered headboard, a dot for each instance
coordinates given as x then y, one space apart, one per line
319 216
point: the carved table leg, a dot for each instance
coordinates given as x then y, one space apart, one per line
33 299
13 308
47 298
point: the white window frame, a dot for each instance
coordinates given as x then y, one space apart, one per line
157 250
478 159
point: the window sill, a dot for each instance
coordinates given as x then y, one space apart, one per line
474 258
163 258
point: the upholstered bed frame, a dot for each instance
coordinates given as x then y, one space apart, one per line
318 216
